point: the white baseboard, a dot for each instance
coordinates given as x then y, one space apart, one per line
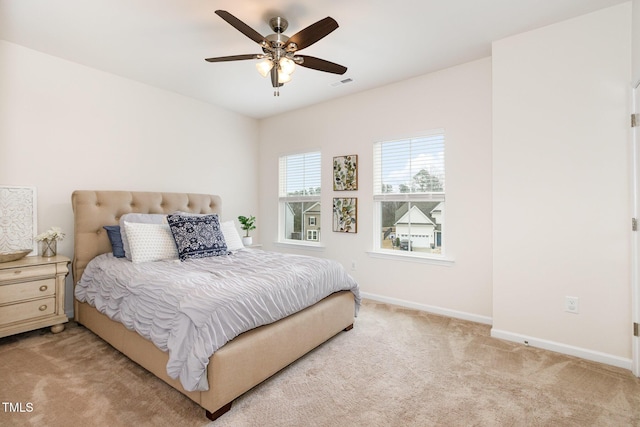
429 308
582 353
594 356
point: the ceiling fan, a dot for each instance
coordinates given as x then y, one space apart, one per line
279 56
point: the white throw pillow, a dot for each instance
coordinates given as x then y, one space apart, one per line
150 242
231 236
137 217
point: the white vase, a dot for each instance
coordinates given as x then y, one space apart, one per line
247 241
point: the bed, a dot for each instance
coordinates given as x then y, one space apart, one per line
240 364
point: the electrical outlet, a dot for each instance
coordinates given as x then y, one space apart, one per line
572 305
353 266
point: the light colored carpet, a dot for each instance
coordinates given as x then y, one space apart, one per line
397 367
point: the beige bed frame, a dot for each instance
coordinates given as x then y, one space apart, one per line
242 363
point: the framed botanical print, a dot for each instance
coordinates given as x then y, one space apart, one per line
345 173
345 214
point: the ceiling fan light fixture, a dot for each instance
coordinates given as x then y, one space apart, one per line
264 67
287 66
283 77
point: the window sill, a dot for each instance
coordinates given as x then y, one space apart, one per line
407 256
304 246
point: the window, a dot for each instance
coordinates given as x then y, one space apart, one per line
300 197
409 195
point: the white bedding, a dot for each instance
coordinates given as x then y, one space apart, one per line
192 308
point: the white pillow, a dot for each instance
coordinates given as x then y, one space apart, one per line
150 242
137 217
231 236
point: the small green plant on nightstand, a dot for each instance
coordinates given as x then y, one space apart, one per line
247 224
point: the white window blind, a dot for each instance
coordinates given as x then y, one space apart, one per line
410 166
300 175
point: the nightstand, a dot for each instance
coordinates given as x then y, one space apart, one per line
32 294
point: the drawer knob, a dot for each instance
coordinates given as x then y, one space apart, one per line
43 307
43 288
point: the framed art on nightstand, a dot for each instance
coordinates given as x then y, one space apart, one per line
345 215
345 173
18 218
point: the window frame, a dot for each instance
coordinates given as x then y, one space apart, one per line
380 197
284 199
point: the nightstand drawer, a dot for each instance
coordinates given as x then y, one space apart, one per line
27 290
23 273
27 310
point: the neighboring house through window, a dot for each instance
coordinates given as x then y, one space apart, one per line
409 195
299 197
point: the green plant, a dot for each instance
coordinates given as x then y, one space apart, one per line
247 223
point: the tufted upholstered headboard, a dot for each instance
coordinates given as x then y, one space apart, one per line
94 209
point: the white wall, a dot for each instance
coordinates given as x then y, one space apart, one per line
64 127
456 99
636 41
561 222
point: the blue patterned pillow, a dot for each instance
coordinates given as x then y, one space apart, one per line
117 247
197 236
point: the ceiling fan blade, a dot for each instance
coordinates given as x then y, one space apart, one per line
313 33
232 58
241 26
322 65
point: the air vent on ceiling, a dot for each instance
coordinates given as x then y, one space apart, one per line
341 82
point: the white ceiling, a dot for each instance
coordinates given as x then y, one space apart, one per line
164 42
